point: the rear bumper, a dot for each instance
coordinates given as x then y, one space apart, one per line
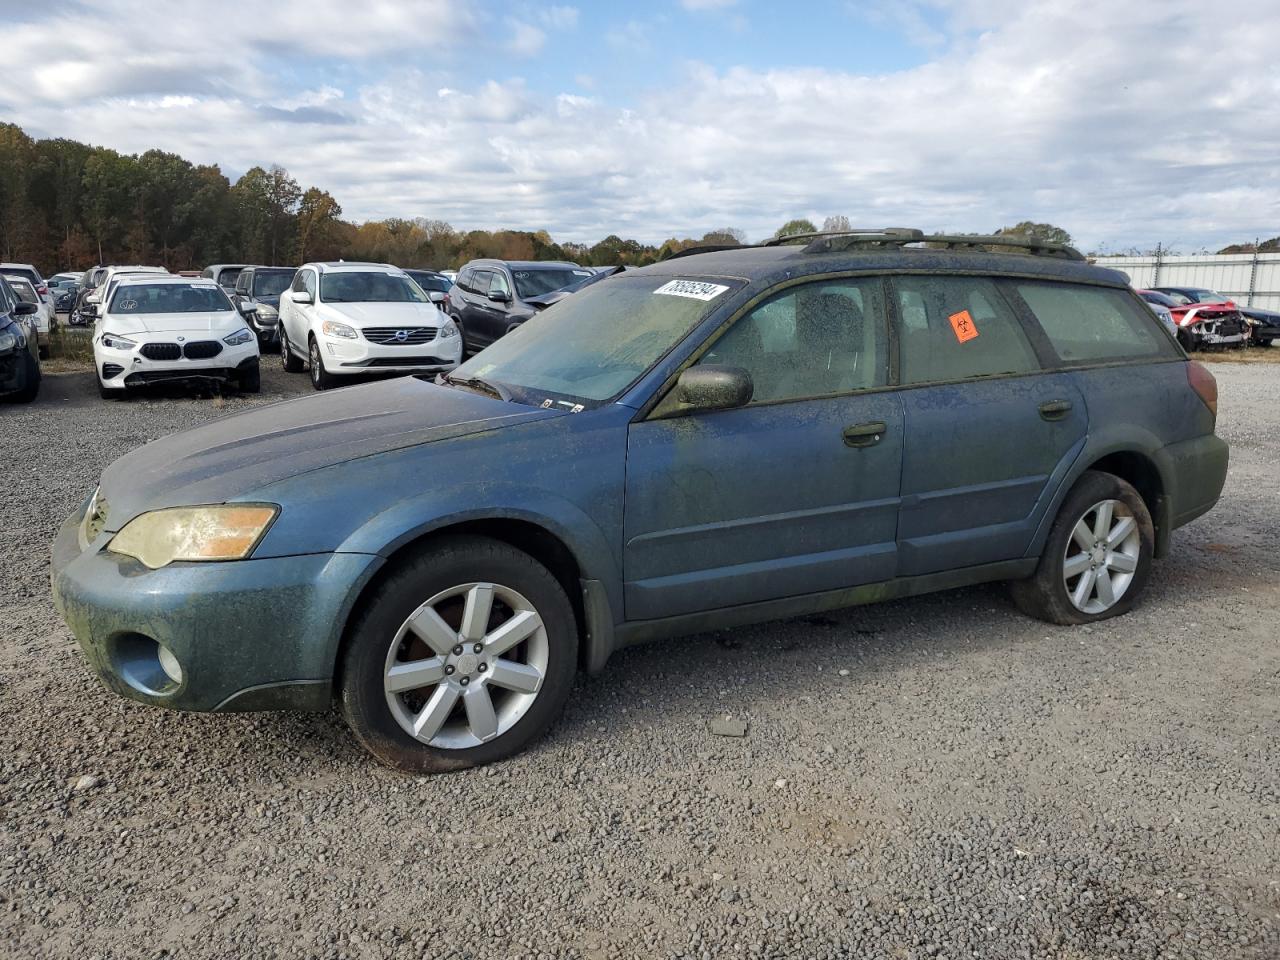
249 635
1197 471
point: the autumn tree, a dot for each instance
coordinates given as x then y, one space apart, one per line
318 215
793 227
836 224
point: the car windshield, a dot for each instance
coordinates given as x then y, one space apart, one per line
272 283
26 293
138 298
25 274
593 345
535 282
371 287
432 282
1198 295
227 277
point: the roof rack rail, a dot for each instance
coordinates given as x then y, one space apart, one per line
856 235
706 248
1040 248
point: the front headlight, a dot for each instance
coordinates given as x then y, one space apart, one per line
267 310
223 532
448 329
331 328
117 342
7 341
237 338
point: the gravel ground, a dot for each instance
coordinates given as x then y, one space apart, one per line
934 777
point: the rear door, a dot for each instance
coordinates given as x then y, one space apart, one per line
795 493
990 431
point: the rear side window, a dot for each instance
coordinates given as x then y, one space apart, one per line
957 328
1087 324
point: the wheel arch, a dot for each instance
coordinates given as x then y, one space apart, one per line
591 607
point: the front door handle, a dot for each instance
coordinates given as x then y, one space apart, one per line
1055 409
864 434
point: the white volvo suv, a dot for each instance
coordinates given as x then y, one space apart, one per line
154 328
361 318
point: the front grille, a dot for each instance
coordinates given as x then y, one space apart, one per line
202 349
405 362
399 336
110 370
161 351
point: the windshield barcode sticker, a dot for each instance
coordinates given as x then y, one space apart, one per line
693 289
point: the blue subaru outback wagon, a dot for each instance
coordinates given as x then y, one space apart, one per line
725 437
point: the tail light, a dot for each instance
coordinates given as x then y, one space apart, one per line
445 301
1202 382
42 290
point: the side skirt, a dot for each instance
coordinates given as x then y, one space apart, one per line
644 631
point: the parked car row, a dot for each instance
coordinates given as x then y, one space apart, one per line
1205 319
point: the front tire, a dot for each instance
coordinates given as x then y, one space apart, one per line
249 380
1097 558
321 378
288 361
32 388
463 656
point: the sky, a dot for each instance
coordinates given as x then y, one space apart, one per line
1128 123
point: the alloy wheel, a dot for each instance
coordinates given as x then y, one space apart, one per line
466 665
314 360
1101 557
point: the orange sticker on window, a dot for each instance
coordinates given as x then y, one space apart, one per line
963 326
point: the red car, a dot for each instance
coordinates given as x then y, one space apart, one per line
1205 318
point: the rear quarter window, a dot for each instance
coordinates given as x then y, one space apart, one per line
1096 324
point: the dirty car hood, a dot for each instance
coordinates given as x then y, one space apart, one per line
235 455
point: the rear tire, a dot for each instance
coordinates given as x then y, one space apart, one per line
442 579
1110 559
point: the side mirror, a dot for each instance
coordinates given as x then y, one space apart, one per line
435 296
25 309
247 307
301 296
714 388
499 296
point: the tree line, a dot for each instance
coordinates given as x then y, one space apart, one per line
66 205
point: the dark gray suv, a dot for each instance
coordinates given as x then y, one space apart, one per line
493 297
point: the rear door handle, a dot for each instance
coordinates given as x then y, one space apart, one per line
864 434
1055 409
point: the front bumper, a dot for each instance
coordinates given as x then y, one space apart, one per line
361 356
249 634
14 371
129 368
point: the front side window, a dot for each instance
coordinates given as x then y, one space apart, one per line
309 283
369 287
810 340
142 298
242 281
593 345
1089 324
498 285
957 328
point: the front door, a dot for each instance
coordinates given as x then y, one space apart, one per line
795 493
989 433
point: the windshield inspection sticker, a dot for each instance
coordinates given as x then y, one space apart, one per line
962 325
693 289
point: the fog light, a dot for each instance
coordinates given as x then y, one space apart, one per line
169 663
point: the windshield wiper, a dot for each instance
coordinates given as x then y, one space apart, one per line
481 384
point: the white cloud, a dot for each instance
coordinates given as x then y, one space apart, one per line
707 4
1029 111
559 18
526 39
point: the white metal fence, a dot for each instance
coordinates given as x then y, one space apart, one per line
1250 279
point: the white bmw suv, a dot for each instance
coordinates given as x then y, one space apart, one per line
361 318
154 328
